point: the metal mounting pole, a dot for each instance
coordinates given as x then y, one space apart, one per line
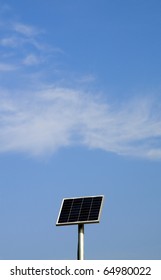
80 255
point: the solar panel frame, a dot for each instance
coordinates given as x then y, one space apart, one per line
66 217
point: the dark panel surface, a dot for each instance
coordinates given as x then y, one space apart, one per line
80 210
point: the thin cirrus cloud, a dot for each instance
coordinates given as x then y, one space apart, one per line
31 59
26 30
23 43
58 117
18 35
7 67
44 118
10 42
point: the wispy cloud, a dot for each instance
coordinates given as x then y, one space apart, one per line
10 42
26 30
25 43
43 118
54 117
6 67
31 59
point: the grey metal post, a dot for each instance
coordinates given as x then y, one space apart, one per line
80 252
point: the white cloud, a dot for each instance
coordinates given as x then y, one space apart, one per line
22 44
31 59
6 67
12 41
26 30
42 122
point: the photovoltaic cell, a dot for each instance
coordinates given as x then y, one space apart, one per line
80 210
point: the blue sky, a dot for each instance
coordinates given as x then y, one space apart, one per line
80 114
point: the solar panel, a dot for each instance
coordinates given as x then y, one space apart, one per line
80 210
